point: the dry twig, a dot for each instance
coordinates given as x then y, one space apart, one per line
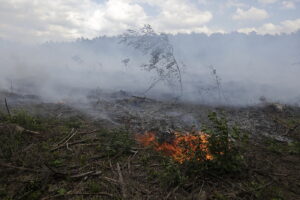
172 192
20 129
60 142
121 181
80 194
65 143
94 173
20 168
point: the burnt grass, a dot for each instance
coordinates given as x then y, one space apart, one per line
52 151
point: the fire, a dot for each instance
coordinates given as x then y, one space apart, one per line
182 148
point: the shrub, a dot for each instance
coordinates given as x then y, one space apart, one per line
116 142
225 146
24 119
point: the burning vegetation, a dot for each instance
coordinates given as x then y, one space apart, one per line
66 154
183 147
219 148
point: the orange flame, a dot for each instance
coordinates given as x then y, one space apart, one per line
182 148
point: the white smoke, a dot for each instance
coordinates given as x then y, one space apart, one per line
249 66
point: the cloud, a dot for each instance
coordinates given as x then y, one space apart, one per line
288 5
287 26
39 21
64 20
114 17
56 20
250 14
267 1
204 2
235 3
20 18
178 16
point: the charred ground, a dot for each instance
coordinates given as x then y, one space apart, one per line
87 150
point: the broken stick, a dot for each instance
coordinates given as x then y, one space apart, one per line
121 180
6 105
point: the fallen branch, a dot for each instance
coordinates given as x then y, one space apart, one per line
80 194
130 158
143 98
256 189
90 144
23 130
97 157
73 143
228 182
111 180
70 138
171 192
31 132
121 181
56 173
75 176
60 142
94 173
89 132
65 143
291 129
20 168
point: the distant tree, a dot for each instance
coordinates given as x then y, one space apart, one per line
214 88
217 79
162 59
126 61
218 83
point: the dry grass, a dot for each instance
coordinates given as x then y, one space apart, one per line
77 159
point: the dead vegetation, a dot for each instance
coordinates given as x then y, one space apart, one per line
76 157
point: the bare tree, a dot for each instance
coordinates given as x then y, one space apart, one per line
162 59
125 61
217 79
218 83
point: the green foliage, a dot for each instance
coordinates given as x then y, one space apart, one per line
172 174
31 191
282 147
73 122
261 191
24 119
94 187
57 162
116 142
83 159
35 195
294 148
275 146
11 143
3 191
219 196
225 144
62 191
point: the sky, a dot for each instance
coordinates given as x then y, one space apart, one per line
36 21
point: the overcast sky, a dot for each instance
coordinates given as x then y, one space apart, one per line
64 20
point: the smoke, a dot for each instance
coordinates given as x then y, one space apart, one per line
248 67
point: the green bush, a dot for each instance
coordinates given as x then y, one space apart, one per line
73 122
24 119
116 142
225 145
11 144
